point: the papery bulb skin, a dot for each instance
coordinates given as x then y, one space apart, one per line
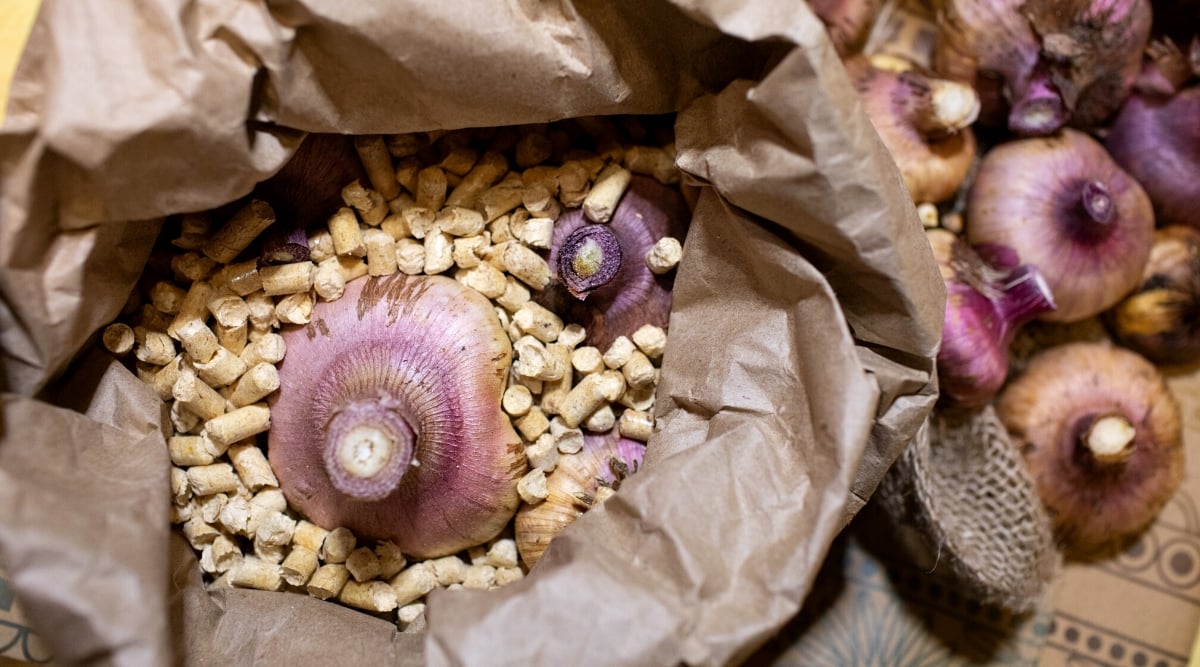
1157 140
1161 319
1167 69
1062 205
1061 61
1041 110
1101 434
605 460
848 22
985 307
308 189
284 246
634 296
388 418
924 123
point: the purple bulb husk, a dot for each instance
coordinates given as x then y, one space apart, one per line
985 307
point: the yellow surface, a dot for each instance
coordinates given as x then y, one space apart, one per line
16 20
1195 661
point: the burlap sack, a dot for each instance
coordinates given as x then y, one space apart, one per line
965 490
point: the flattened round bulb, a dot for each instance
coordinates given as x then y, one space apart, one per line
1161 317
1101 434
400 370
1061 204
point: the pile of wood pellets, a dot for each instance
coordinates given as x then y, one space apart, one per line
202 330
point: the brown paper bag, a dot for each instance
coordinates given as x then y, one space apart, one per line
807 313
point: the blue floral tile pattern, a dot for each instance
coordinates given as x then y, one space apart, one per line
17 640
875 614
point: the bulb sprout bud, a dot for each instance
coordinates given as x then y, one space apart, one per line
591 256
1110 439
1040 112
924 123
1097 202
364 450
953 105
589 259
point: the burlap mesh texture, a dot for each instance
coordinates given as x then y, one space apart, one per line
965 490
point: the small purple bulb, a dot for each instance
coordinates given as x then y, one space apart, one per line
589 258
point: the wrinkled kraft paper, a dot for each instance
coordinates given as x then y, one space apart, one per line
807 313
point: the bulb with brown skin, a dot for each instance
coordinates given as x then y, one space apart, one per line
1101 434
924 122
388 421
1057 62
602 281
1167 68
1161 319
1061 204
605 461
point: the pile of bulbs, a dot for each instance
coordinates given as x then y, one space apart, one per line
1053 151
